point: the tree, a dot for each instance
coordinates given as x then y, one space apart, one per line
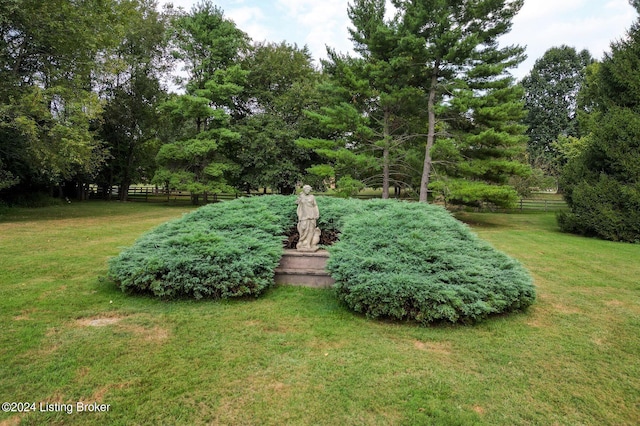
485 147
602 182
211 47
281 84
454 43
47 109
376 107
205 41
551 101
132 91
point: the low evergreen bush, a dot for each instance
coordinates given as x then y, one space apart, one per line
413 261
399 260
218 251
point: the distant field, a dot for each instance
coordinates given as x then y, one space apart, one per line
296 356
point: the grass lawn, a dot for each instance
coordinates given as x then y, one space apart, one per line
295 356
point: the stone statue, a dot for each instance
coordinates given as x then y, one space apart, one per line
308 213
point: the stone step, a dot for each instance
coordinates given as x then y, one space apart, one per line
322 280
293 259
304 268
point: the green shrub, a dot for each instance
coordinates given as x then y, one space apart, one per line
394 259
221 250
602 184
416 262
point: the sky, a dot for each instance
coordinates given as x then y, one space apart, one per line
540 24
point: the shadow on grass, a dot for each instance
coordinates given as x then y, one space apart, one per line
84 209
510 221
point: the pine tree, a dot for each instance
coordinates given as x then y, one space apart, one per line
211 47
377 104
454 44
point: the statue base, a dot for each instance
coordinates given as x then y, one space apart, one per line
304 269
308 250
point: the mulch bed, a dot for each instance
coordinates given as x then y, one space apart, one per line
327 237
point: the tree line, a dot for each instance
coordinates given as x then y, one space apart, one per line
427 104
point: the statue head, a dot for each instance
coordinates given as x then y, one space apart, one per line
306 189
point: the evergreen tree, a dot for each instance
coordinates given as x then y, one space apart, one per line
602 184
485 145
454 44
211 47
376 109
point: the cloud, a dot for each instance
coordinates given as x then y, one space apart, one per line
583 24
318 24
250 20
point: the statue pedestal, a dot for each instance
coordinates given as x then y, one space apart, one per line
304 268
307 250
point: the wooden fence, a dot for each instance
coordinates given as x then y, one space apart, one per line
151 194
547 205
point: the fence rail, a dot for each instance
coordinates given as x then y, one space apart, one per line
151 194
541 205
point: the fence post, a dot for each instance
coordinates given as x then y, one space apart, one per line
520 205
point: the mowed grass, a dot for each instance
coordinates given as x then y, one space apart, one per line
296 356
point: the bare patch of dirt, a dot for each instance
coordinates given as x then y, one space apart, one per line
99 394
152 334
442 348
478 409
12 421
278 387
49 293
24 315
98 322
564 309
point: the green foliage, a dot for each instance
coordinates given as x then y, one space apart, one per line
47 111
415 262
219 251
348 186
206 41
601 180
456 57
551 97
536 181
132 91
398 260
475 193
211 46
602 185
281 83
486 148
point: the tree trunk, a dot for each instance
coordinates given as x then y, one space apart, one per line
127 178
431 134
385 157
